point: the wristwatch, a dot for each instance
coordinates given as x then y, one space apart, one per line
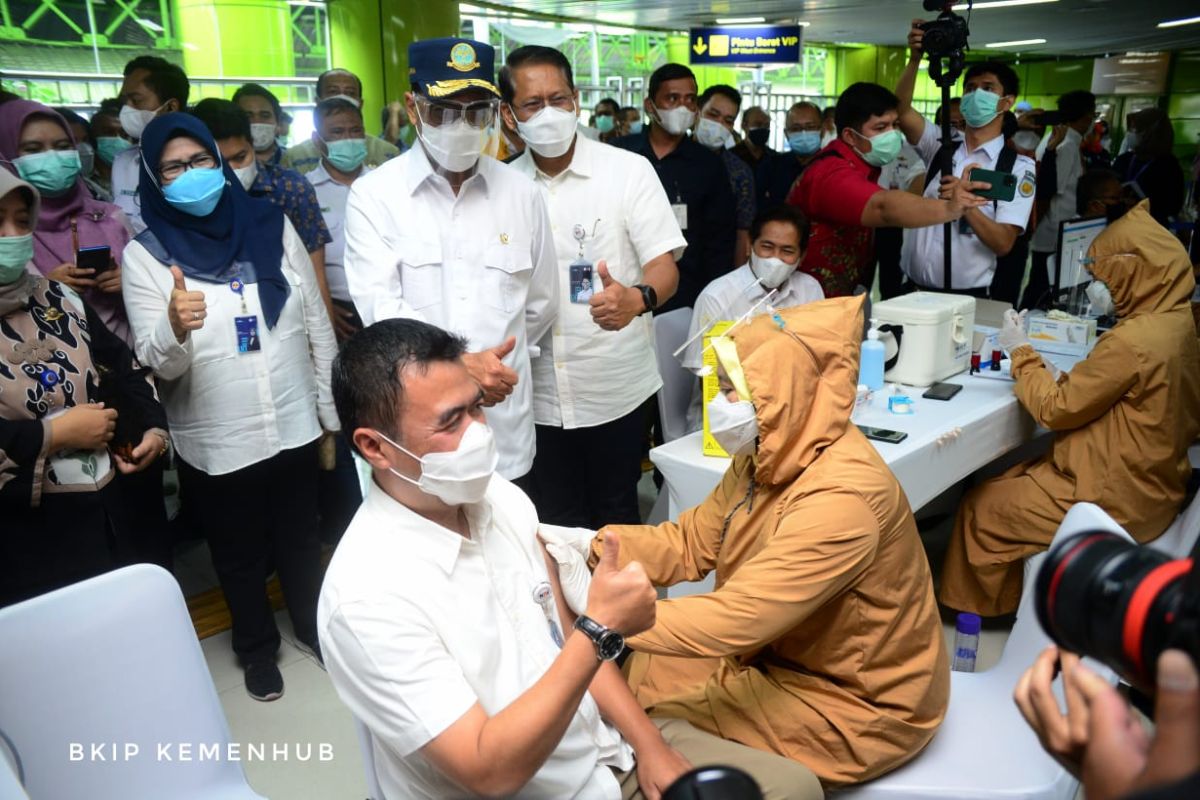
608 642
649 297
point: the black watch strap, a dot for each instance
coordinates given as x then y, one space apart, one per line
649 297
608 642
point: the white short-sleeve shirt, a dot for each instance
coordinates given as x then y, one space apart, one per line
418 623
973 262
125 186
480 264
585 375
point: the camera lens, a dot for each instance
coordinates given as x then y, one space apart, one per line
1100 596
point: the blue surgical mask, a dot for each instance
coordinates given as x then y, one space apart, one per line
347 155
196 191
979 107
53 172
804 143
635 127
15 253
107 147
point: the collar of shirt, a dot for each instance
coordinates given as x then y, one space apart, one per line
266 180
421 537
991 147
319 176
686 149
420 169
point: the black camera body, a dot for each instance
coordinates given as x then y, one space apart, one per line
946 36
1099 595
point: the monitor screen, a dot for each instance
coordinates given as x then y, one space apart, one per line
1074 238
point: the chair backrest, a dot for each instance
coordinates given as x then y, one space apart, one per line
366 743
670 331
110 670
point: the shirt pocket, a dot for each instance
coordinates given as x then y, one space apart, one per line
421 272
506 274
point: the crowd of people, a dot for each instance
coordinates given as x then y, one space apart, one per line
179 288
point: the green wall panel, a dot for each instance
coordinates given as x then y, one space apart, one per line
243 38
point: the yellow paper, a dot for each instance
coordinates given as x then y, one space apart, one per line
711 384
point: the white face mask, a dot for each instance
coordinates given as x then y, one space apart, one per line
247 174
771 272
713 134
354 100
675 121
549 132
733 425
1100 298
262 136
455 147
135 120
1026 140
456 477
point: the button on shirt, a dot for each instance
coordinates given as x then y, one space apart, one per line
973 261
418 624
480 264
585 375
229 410
1069 166
332 197
125 185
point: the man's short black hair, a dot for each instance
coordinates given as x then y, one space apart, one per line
723 89
667 72
335 105
223 119
532 55
611 103
109 108
937 115
257 90
1003 72
74 118
367 377
338 71
1077 104
790 215
860 102
828 112
166 80
1091 186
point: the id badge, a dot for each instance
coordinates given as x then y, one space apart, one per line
582 281
680 210
247 334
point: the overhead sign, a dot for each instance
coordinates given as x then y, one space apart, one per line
772 44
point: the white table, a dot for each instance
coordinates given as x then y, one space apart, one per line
927 463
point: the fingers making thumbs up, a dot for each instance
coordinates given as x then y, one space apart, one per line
616 305
185 310
621 599
488 369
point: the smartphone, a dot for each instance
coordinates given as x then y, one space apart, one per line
942 391
1050 118
97 258
1003 184
883 434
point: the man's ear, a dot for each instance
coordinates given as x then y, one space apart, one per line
370 448
171 105
508 117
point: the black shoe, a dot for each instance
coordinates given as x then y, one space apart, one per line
263 681
314 649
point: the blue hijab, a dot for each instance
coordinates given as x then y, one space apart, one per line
242 238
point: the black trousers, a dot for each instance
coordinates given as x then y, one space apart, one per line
1037 291
888 243
264 513
587 477
1010 271
148 538
338 494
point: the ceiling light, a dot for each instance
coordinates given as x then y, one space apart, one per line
1017 43
803 24
1006 3
740 20
1175 23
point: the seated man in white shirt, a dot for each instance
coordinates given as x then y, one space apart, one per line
778 239
442 619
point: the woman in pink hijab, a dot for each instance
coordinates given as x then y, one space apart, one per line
37 145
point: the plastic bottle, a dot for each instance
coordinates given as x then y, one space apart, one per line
966 642
870 365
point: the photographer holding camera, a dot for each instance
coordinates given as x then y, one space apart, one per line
983 233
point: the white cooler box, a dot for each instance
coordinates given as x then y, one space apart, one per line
927 334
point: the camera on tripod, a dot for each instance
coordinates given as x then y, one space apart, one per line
945 40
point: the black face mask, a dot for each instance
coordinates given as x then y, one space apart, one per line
758 136
1115 211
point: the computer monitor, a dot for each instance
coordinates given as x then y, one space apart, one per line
1074 238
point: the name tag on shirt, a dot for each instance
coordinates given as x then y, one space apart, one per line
680 210
247 334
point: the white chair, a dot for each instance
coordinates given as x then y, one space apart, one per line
670 331
366 743
1177 540
984 750
113 662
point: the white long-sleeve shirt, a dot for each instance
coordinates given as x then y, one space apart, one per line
480 264
229 410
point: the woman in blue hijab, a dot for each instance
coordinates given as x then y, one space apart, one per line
225 309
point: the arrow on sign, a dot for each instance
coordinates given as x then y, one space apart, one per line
699 46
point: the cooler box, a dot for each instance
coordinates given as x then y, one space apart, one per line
928 336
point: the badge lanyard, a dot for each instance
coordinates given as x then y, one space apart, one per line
582 280
246 325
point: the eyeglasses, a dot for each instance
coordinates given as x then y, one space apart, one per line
563 102
804 128
171 170
443 112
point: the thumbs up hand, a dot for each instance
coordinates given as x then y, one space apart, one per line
185 310
615 305
488 369
621 599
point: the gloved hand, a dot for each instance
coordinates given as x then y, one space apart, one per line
1012 332
569 547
